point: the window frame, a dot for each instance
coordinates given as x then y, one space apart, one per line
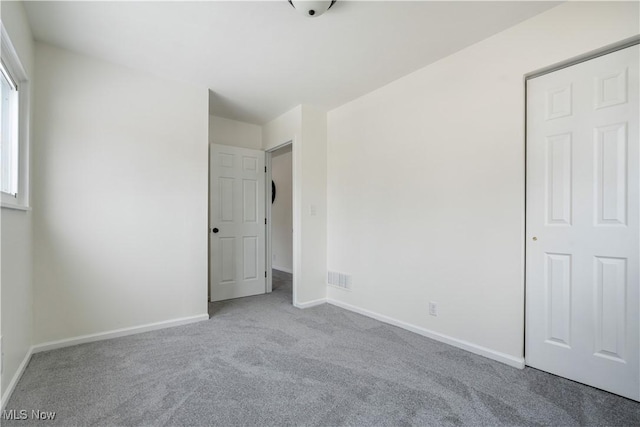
13 65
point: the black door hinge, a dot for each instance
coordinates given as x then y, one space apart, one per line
265 274
265 221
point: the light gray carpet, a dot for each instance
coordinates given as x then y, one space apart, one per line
259 361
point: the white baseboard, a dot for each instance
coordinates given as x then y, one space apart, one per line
310 304
52 345
516 362
286 270
16 377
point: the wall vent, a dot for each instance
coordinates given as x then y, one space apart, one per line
339 280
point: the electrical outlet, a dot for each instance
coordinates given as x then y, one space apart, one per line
433 308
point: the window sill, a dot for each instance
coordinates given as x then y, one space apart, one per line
14 206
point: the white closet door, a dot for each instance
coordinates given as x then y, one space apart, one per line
582 223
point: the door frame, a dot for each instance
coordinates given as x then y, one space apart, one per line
614 47
296 206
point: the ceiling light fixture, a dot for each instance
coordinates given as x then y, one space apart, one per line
312 8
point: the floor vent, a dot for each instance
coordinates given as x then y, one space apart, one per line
339 280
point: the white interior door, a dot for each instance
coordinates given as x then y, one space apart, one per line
582 223
237 222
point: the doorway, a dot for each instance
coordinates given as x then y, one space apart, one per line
235 222
582 222
280 253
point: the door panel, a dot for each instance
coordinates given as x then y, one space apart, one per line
558 289
237 211
583 217
611 174
558 152
611 287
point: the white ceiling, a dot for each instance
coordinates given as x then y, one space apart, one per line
262 58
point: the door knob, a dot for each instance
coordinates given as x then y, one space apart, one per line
535 238
214 230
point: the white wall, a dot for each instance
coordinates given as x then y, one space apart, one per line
232 132
281 210
120 197
16 311
282 129
306 127
313 171
426 180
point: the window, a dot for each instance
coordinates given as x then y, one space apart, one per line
9 133
14 113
